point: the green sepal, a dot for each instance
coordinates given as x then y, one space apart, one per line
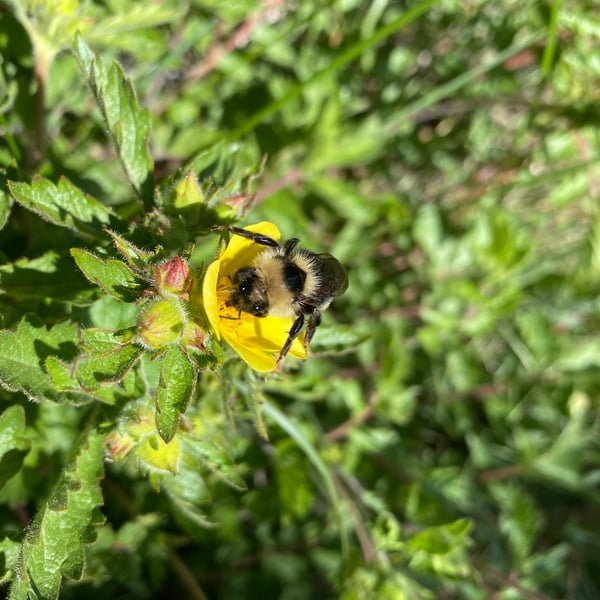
137 258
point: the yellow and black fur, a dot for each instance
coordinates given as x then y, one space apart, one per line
287 281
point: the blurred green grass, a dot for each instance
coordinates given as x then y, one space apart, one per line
446 153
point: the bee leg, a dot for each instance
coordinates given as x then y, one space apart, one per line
290 245
313 322
293 334
258 238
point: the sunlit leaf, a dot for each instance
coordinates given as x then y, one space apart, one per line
53 545
48 276
14 444
112 275
22 356
176 387
128 125
64 205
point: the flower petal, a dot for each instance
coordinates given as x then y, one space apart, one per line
258 359
209 296
260 340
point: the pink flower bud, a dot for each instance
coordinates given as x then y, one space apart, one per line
173 276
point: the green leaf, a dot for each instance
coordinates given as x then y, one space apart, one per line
112 275
61 374
442 549
296 491
218 461
581 356
14 446
9 557
5 207
427 230
23 354
106 358
109 313
64 205
519 518
442 538
128 125
187 491
53 546
337 337
176 386
48 276
66 382
108 355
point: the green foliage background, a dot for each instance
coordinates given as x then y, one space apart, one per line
442 439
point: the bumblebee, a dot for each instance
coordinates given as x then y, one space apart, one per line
287 281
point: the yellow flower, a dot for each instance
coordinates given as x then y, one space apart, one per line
258 340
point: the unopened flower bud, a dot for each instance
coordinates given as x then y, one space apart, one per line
161 323
173 276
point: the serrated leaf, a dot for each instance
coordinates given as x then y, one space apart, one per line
24 352
175 389
112 275
53 546
128 125
14 445
95 340
108 356
64 205
64 380
48 276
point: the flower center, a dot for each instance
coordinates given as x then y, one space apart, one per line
225 309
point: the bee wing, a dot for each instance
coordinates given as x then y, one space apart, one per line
335 280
